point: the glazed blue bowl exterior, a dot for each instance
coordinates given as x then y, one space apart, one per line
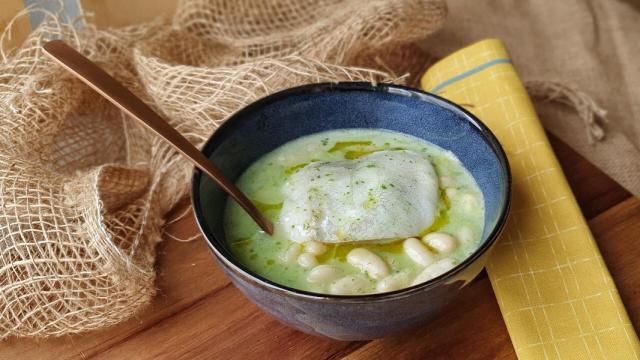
287 115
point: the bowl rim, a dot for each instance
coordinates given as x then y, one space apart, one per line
227 259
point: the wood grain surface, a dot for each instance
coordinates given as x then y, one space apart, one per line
198 314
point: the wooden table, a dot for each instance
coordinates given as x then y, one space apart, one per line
199 314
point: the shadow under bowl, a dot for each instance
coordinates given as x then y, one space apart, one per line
287 115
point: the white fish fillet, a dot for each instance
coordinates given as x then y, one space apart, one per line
383 195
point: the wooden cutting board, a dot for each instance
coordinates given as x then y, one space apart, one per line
198 314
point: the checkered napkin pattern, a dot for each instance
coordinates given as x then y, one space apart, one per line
556 295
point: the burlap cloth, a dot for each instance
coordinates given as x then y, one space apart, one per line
84 190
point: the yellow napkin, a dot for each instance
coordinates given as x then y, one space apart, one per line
555 293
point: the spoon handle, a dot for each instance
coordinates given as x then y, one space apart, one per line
119 95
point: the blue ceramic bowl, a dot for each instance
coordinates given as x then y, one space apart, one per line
287 115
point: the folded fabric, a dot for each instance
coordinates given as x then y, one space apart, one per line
553 287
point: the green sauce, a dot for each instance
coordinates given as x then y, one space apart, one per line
263 182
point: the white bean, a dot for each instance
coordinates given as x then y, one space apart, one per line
392 283
465 234
468 202
315 247
324 274
368 262
434 270
417 252
307 260
446 181
292 253
348 285
451 192
441 242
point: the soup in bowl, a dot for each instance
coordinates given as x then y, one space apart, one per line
386 201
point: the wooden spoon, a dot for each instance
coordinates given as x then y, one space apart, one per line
114 91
